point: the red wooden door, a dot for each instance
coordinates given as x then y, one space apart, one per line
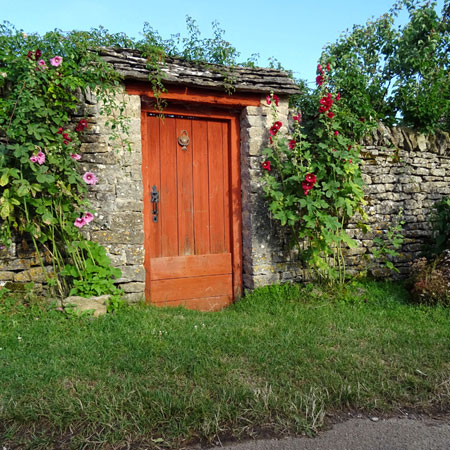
189 249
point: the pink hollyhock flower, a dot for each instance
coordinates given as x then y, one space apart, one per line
292 143
80 222
40 158
350 160
60 130
75 156
90 178
266 165
56 61
310 178
41 63
336 133
88 217
34 159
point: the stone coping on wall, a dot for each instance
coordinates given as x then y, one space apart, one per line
132 66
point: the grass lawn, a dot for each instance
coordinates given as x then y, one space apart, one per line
275 362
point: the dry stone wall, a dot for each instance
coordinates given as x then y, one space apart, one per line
116 200
402 170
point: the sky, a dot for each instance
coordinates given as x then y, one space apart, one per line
294 32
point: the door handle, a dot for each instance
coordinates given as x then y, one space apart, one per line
154 197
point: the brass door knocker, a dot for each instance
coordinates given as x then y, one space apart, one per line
184 140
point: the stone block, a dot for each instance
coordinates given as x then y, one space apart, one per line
132 236
133 287
131 274
7 252
15 264
135 255
134 297
6 275
97 304
35 274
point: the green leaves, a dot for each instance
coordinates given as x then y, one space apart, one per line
395 75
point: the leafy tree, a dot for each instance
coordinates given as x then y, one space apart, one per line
397 75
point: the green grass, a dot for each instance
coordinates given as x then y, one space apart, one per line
275 362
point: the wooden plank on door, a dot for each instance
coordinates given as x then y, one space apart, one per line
153 178
201 186
200 304
190 266
185 288
226 185
216 175
185 191
168 197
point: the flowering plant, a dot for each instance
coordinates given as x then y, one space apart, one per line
42 192
314 185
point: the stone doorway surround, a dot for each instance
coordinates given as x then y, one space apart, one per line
118 197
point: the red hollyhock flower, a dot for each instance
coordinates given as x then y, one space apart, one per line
273 130
336 132
361 119
319 80
266 165
66 142
66 136
60 130
268 99
270 140
331 114
319 68
83 123
328 67
338 96
326 103
298 117
350 161
30 55
278 124
37 54
292 143
310 178
276 99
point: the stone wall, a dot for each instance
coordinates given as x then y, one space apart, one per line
402 170
116 200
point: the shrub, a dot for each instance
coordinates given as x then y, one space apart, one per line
430 280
